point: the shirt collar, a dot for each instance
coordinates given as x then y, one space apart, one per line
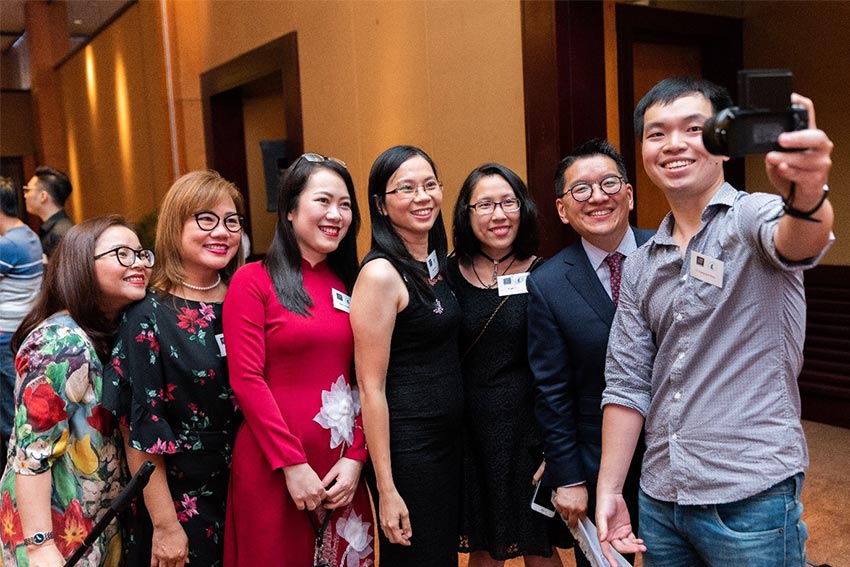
724 197
597 255
54 218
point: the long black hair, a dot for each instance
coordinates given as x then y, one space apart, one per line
283 259
385 239
465 243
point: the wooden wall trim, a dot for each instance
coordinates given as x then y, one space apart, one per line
563 54
825 379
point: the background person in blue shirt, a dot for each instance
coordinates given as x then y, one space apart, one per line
20 279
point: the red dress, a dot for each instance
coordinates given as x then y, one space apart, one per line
283 368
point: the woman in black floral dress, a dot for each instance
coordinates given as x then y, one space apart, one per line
168 383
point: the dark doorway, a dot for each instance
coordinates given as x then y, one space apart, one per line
224 92
563 47
653 44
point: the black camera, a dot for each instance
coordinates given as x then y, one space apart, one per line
755 126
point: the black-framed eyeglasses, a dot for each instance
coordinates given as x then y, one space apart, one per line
610 185
208 221
509 205
409 190
126 256
319 158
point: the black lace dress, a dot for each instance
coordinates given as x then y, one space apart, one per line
502 443
425 399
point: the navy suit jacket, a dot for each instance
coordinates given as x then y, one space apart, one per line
569 319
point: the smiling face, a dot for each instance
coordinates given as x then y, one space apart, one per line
674 156
203 253
497 231
119 285
603 219
322 216
412 218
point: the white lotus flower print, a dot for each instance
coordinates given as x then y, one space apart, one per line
340 405
356 532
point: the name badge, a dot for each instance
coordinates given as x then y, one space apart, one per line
707 269
433 265
341 300
219 339
513 284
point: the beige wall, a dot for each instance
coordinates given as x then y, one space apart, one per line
810 39
444 75
113 97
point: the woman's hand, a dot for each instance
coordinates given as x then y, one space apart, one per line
304 486
169 546
395 519
344 475
45 555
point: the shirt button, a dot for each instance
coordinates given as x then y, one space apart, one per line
677 396
678 316
681 356
675 436
684 278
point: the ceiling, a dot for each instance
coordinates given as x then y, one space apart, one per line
84 18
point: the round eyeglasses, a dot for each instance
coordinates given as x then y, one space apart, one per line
484 208
409 190
583 191
126 256
208 221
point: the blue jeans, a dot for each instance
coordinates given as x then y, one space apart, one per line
764 530
7 388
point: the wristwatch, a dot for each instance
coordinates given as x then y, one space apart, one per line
38 538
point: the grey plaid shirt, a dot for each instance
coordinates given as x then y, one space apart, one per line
713 370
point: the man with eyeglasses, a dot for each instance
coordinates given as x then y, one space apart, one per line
707 345
571 303
45 195
20 281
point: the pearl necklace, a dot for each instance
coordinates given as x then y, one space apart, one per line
202 288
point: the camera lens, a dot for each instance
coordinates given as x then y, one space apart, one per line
714 132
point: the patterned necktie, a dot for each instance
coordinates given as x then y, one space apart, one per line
615 263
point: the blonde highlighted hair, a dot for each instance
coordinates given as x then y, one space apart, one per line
193 192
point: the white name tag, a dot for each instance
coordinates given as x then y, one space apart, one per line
707 269
341 300
433 265
513 284
219 339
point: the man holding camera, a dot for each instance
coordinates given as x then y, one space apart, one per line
707 344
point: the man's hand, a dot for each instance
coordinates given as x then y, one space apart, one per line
808 168
614 526
571 503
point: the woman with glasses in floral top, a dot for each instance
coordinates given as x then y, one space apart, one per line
65 454
168 382
299 454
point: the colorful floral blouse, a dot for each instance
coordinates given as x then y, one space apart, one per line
62 428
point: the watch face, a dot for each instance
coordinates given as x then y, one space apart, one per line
38 538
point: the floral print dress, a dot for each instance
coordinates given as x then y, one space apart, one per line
62 428
168 383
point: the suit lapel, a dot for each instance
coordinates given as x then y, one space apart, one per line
581 275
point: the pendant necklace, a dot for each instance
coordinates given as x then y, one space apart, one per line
202 288
495 268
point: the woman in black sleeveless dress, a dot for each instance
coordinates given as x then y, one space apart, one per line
405 320
495 238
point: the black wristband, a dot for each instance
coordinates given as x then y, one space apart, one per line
803 215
